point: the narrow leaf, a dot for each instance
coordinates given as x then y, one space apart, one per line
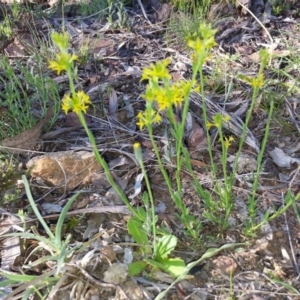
165 246
136 267
136 230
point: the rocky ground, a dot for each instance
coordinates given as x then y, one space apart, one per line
60 161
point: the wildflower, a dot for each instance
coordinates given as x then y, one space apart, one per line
149 94
76 103
157 71
147 118
207 34
264 57
228 141
258 82
61 40
218 121
226 118
136 145
196 45
203 40
137 151
63 62
209 125
164 101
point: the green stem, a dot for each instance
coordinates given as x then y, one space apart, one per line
160 164
152 204
259 160
105 166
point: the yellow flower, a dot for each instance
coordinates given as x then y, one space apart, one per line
157 71
136 145
147 118
149 94
63 62
258 82
196 45
137 151
209 125
228 141
61 40
226 118
76 103
141 120
66 103
218 120
206 31
162 99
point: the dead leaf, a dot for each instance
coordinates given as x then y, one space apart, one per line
281 159
196 137
27 139
73 120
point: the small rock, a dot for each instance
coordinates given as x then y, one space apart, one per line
109 252
64 170
224 264
116 273
131 288
246 164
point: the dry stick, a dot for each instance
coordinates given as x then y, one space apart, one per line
288 228
98 282
289 109
118 209
144 13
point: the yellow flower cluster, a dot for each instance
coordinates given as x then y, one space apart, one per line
157 71
148 117
162 92
228 141
76 103
218 120
166 97
257 82
203 40
64 61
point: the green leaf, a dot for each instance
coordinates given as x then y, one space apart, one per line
61 219
27 235
17 277
145 199
135 228
154 264
208 254
35 209
141 213
136 267
174 266
165 246
6 283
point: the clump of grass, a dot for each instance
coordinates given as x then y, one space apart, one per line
25 89
10 172
195 7
58 251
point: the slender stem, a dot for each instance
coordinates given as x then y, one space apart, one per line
153 223
160 164
259 159
105 166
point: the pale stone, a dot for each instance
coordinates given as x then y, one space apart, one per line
64 170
